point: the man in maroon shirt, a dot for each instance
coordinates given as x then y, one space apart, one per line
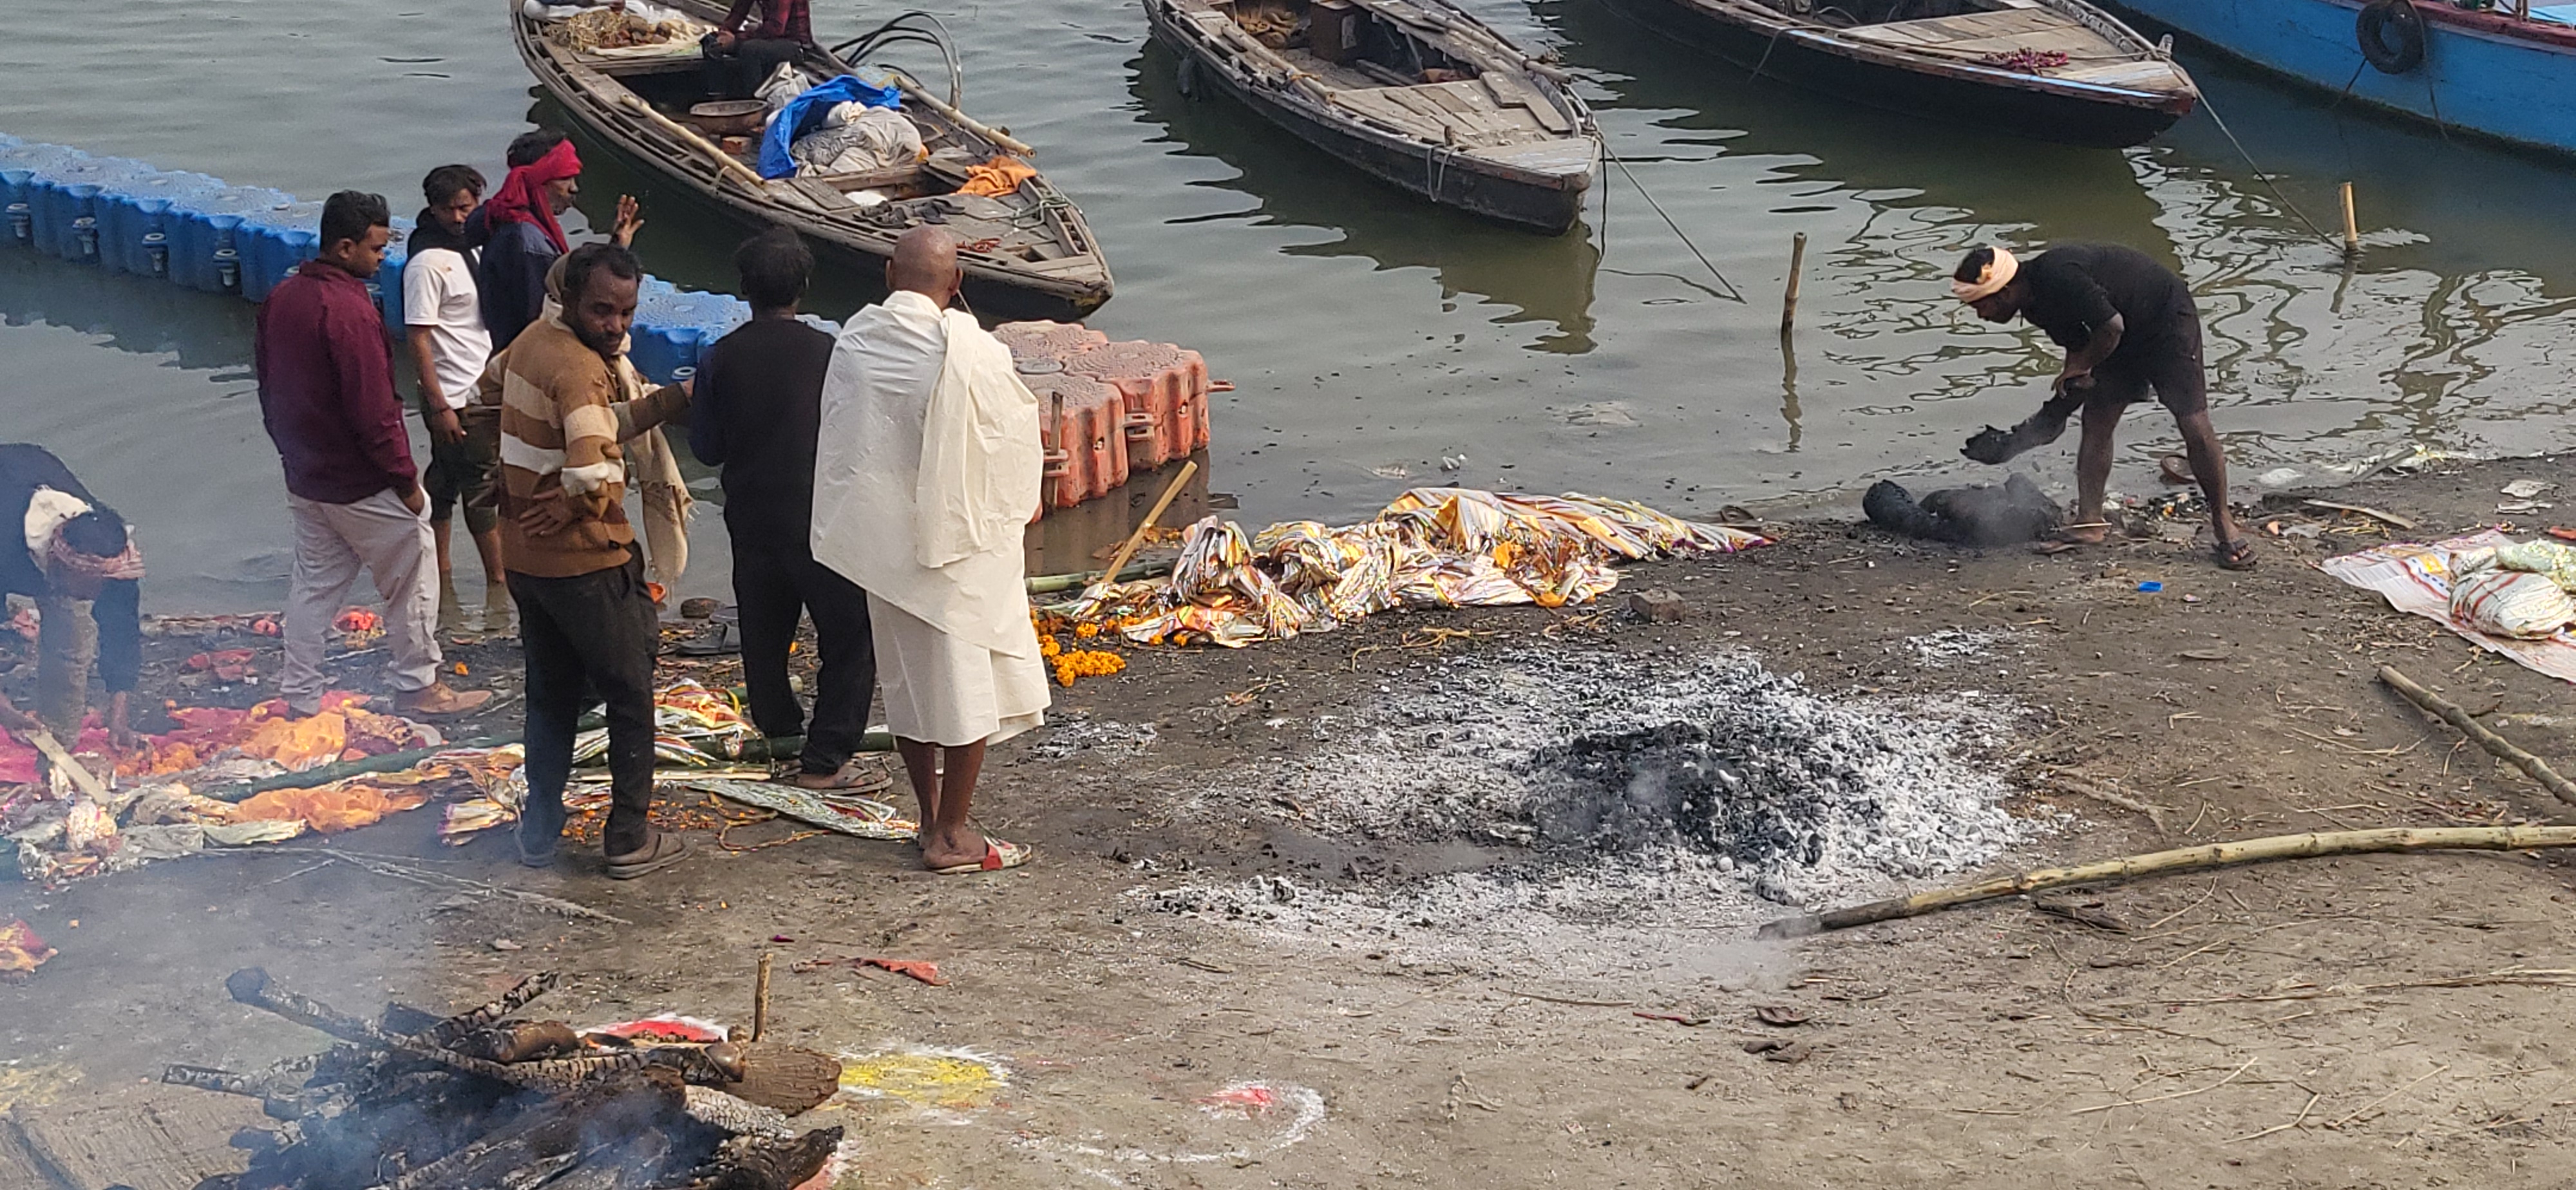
741 55
326 394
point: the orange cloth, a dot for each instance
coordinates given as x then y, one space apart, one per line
997 177
330 808
300 744
21 951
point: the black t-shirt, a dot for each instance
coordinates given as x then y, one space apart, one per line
757 411
2076 288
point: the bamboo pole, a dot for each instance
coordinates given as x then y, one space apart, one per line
760 999
79 773
741 172
1053 584
2351 230
2184 859
1118 561
2496 745
913 90
1789 299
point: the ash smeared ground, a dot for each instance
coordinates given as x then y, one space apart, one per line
1638 794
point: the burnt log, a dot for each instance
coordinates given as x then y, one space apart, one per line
518 1041
553 1136
449 1031
764 1163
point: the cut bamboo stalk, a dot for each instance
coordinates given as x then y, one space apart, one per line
2496 745
2184 859
760 999
1789 299
1118 562
2351 230
723 160
79 773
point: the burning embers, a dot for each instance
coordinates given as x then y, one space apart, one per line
483 1099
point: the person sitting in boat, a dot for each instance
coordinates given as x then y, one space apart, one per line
78 561
2128 324
524 238
740 54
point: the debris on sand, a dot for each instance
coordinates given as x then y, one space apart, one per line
1643 790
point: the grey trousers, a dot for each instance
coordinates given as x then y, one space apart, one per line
333 542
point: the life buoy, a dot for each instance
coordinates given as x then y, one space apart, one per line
2391 34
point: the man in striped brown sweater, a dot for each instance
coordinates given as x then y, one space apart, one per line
584 614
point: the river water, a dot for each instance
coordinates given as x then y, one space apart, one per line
1371 337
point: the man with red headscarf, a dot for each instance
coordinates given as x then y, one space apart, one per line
78 561
525 238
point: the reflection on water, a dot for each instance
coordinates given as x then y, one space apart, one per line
1537 278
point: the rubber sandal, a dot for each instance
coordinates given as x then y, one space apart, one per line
714 642
2234 555
844 780
997 856
665 850
2175 469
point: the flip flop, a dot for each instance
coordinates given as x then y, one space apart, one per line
718 641
997 856
2234 555
844 780
2175 469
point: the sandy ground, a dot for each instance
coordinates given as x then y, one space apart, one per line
2351 1022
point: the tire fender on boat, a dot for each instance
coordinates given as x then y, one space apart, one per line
2391 34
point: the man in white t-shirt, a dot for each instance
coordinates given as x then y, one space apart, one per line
448 349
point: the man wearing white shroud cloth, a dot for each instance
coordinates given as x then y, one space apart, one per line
925 475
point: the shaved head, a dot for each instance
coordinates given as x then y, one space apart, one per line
925 262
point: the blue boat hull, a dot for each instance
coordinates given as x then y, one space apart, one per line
2482 73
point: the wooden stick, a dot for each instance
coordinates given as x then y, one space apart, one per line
2231 1077
723 159
54 751
1118 562
2363 509
2496 745
1797 263
760 999
2185 859
913 91
2351 231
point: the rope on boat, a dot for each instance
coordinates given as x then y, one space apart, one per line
2259 174
1613 154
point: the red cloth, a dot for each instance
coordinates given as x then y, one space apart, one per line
790 20
522 197
326 388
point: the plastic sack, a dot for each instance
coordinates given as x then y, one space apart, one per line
2511 603
2554 559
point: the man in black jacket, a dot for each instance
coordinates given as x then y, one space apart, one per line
757 411
75 557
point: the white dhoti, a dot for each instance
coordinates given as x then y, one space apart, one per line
926 473
940 690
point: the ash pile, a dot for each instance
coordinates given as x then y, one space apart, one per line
1790 790
1608 786
487 1099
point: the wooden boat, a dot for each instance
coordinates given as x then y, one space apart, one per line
1414 92
2507 73
2056 70
1026 254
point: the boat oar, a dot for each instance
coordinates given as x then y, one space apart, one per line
741 172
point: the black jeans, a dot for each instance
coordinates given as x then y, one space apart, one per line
736 73
773 584
594 631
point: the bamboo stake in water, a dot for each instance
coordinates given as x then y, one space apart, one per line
2351 230
1137 538
1789 300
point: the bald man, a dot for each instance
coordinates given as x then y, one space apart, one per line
926 473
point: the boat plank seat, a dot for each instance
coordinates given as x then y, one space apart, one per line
619 67
2017 24
1511 91
2135 76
